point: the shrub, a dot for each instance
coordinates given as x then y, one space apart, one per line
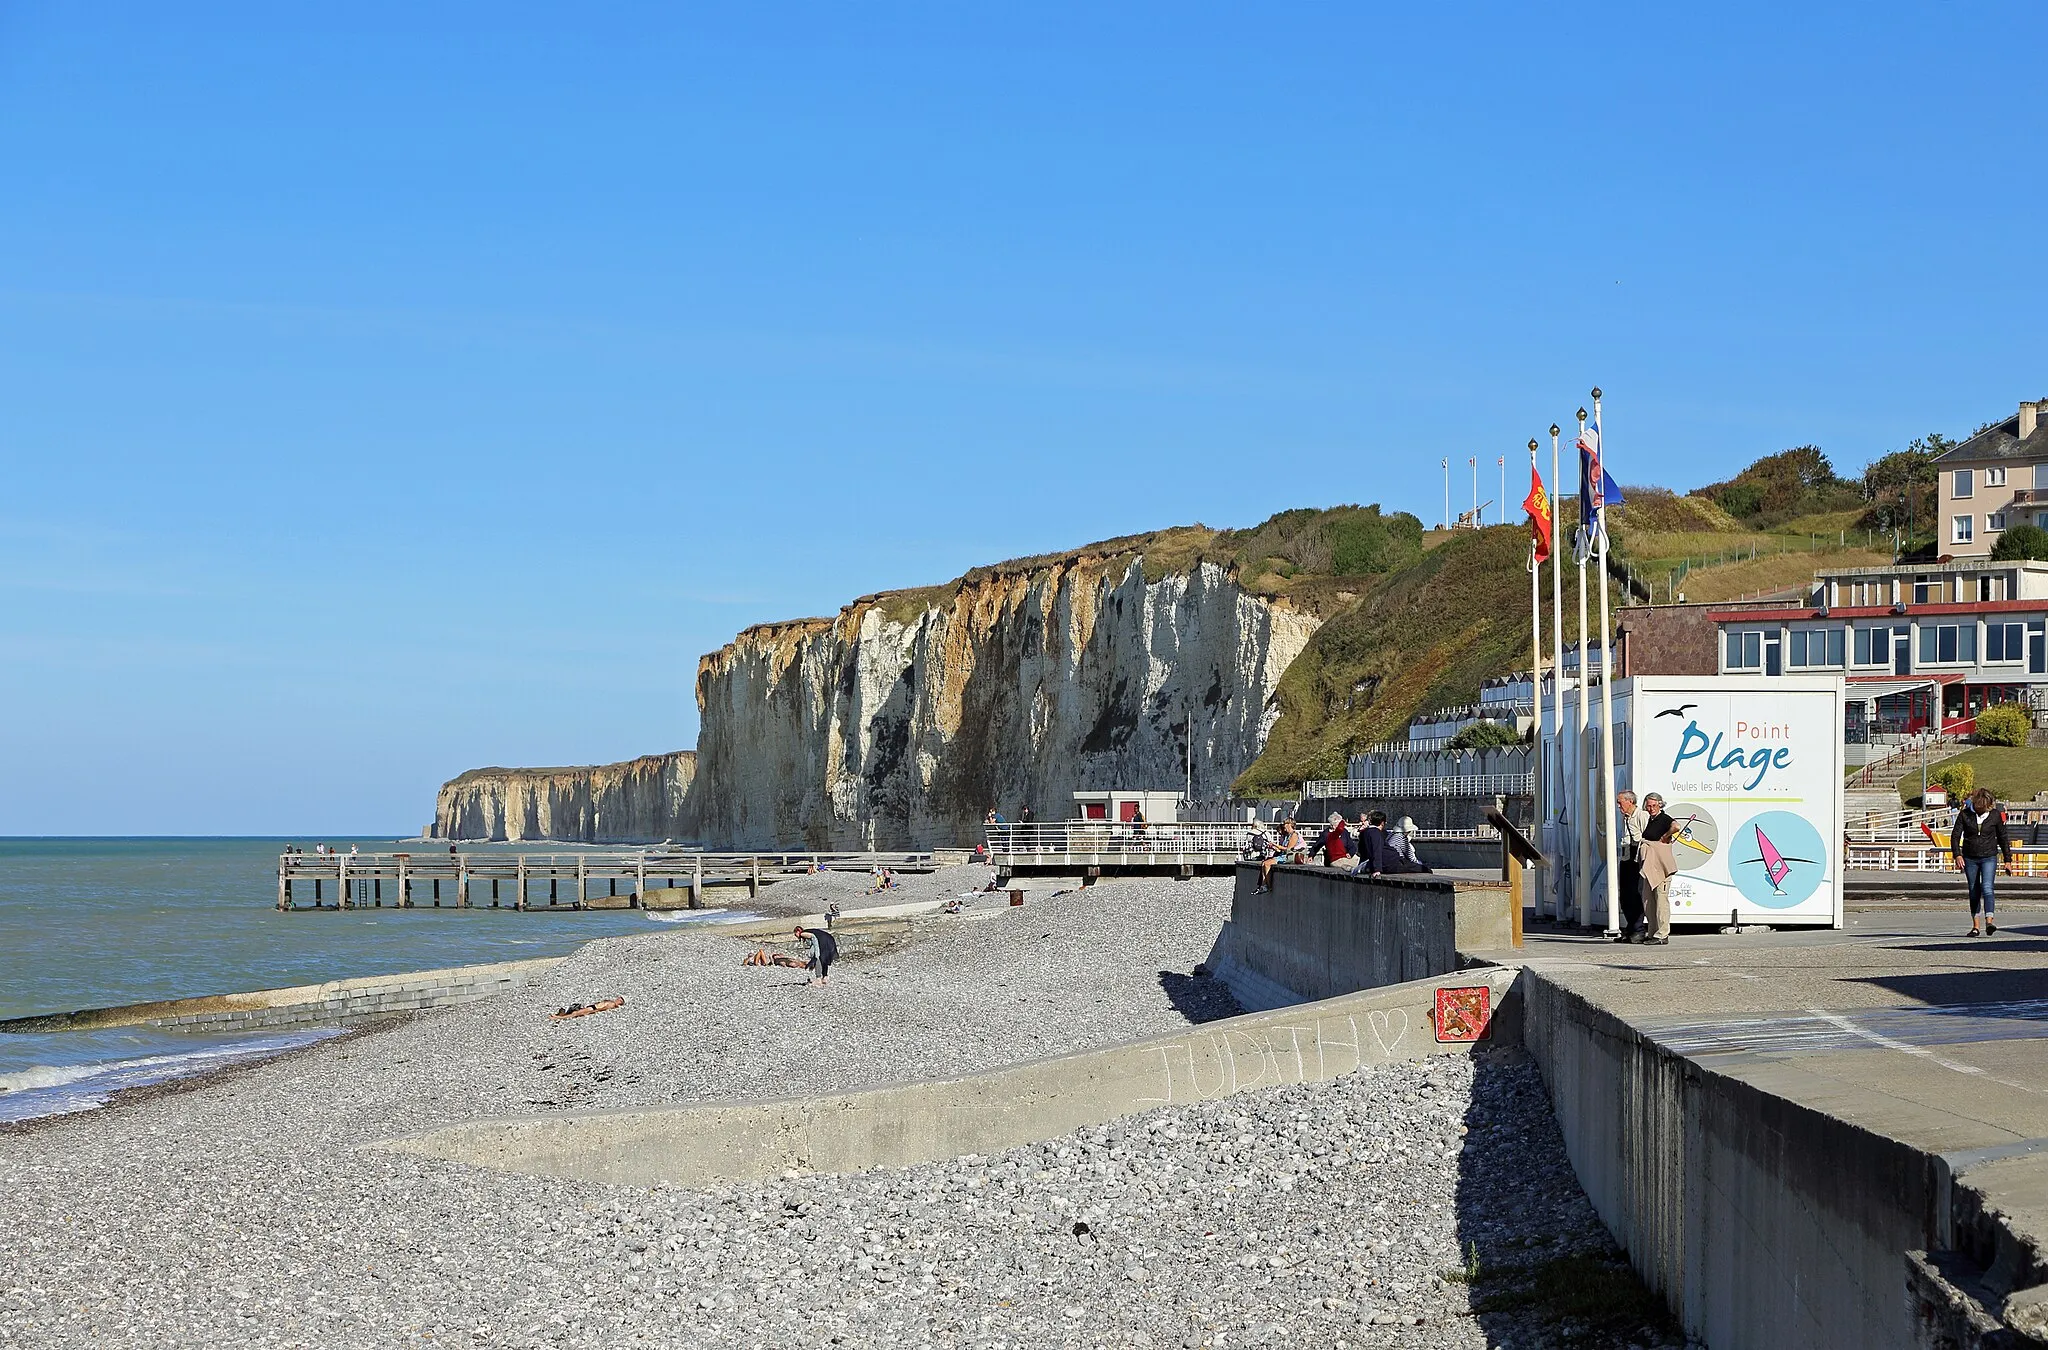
2004 724
1485 736
2021 541
1957 778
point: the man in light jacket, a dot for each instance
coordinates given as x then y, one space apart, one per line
1628 854
1660 864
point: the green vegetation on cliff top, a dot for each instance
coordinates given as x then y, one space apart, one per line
1415 620
1321 560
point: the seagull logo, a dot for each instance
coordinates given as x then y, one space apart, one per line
1680 711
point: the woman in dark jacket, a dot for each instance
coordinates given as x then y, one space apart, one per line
1978 841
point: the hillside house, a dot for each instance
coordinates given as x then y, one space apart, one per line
1993 481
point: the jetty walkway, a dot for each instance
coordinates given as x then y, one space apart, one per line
658 878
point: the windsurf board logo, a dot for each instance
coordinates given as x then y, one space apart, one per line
1779 859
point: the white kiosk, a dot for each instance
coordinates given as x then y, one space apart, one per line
1750 768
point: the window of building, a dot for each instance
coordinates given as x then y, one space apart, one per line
1995 521
1928 591
1963 483
1948 644
2041 475
1994 478
1873 646
1991 586
2005 641
1745 650
1816 647
1961 531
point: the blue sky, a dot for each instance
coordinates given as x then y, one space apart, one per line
387 390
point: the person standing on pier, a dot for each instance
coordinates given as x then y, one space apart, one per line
1659 864
1628 851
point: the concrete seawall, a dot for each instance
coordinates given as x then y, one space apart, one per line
1818 1199
983 1113
1761 1220
301 1005
1321 932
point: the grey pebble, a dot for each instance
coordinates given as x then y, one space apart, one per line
245 1211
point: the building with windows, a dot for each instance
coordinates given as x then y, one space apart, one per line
1921 646
1995 480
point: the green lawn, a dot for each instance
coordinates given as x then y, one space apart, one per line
2013 773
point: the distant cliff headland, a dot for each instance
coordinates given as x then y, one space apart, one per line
641 800
899 721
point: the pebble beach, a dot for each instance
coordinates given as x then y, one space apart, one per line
1413 1204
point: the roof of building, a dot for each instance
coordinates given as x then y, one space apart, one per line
1924 569
2000 441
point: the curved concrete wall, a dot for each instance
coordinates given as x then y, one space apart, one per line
984 1113
1321 932
335 1001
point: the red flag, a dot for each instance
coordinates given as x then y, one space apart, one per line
1537 504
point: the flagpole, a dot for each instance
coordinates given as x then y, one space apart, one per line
1582 887
1537 781
1562 870
1607 804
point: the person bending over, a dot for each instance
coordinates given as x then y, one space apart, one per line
823 948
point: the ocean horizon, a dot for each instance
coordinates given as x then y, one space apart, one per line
96 921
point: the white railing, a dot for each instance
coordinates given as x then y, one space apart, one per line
1122 838
1902 825
1446 785
1902 856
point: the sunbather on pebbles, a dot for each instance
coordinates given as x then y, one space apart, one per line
586 1009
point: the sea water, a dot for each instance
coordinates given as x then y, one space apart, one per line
94 923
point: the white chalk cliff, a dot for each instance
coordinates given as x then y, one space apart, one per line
640 800
903 719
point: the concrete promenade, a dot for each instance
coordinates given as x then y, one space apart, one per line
1816 1137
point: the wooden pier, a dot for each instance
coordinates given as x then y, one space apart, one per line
652 878
1094 848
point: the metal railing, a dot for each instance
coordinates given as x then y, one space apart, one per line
1924 857
1122 838
1903 756
1445 785
1902 825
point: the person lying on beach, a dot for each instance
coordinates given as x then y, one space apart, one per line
586 1009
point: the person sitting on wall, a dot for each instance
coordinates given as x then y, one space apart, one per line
1376 854
1336 847
1259 849
1401 839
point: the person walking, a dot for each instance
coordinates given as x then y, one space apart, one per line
1978 840
1628 853
1659 864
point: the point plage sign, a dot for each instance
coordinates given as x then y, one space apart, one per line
1753 778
